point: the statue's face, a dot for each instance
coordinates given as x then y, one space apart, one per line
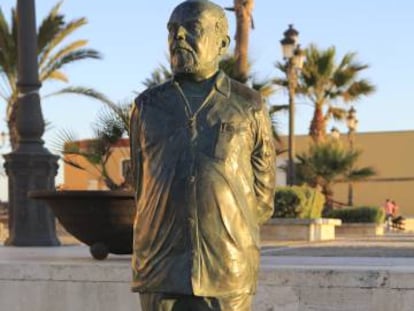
194 43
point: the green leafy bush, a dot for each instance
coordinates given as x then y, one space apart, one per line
362 214
298 202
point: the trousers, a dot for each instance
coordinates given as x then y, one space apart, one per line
168 302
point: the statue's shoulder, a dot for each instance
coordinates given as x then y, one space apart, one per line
251 96
151 93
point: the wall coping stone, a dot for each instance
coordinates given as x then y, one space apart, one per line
296 221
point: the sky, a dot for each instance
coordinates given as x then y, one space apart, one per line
132 37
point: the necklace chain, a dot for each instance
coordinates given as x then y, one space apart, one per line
192 116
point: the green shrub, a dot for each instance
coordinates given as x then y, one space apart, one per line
298 202
362 214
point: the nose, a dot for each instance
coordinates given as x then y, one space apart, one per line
180 33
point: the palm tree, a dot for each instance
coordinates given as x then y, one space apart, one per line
54 54
327 163
111 126
326 84
244 22
158 76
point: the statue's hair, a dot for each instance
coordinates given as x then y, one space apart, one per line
222 26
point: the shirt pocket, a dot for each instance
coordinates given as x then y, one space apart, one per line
229 138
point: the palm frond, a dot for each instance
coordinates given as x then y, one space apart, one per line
50 26
4 31
158 76
72 47
88 92
63 142
281 67
58 75
63 33
337 113
276 108
265 88
112 124
228 65
71 57
347 59
361 174
281 82
8 50
358 89
73 164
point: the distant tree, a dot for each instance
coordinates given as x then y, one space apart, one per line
326 84
158 76
54 54
111 126
327 163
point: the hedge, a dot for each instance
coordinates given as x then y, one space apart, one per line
298 202
362 214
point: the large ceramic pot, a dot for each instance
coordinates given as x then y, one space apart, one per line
101 219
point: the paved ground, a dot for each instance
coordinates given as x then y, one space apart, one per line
392 252
390 245
397 245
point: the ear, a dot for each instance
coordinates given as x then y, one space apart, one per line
224 45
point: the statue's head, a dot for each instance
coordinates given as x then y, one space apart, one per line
197 38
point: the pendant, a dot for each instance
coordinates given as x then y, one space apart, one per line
193 127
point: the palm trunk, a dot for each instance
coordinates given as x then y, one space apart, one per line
11 124
329 199
317 128
243 10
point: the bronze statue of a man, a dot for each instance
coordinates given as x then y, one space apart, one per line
204 166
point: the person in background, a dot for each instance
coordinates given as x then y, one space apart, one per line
395 209
397 220
388 208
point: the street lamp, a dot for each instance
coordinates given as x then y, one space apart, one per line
335 134
30 166
3 138
294 57
352 124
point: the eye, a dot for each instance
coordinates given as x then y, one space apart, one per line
171 28
194 28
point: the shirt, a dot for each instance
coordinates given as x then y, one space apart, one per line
204 183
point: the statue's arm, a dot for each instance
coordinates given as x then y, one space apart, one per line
135 148
264 164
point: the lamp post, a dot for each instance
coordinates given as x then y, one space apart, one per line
294 58
352 123
30 166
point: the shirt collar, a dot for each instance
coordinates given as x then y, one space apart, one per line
222 84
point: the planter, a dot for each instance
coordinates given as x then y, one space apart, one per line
359 229
292 229
102 220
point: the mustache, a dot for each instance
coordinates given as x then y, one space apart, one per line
181 46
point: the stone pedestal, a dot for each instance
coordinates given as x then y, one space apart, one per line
31 222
